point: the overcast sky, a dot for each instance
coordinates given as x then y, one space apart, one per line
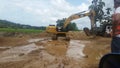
44 12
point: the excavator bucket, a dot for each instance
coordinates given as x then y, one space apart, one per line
87 31
110 61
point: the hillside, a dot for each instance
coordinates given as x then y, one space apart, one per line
8 24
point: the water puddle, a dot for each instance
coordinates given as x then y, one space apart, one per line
5 47
36 40
16 52
75 49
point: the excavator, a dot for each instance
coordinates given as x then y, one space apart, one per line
62 31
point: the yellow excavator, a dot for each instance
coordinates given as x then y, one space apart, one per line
95 14
58 31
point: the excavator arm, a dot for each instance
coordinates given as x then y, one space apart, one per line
90 13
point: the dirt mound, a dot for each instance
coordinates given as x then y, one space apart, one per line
95 50
12 41
57 48
11 34
77 35
41 35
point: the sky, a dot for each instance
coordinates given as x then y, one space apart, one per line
45 12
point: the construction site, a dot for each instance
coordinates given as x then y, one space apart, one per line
60 46
39 51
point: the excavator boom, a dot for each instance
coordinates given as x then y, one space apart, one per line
91 14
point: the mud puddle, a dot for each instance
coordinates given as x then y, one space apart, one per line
75 50
3 48
17 52
38 39
49 54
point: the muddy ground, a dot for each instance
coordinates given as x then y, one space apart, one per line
39 51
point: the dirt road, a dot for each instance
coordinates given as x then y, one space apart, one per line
43 52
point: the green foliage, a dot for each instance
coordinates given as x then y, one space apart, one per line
20 30
97 6
71 26
7 26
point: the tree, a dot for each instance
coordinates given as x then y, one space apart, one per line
71 26
97 6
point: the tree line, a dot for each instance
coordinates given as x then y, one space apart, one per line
7 24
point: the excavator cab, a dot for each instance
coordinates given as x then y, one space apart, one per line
111 60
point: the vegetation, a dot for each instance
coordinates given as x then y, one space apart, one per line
20 30
7 26
97 5
71 26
